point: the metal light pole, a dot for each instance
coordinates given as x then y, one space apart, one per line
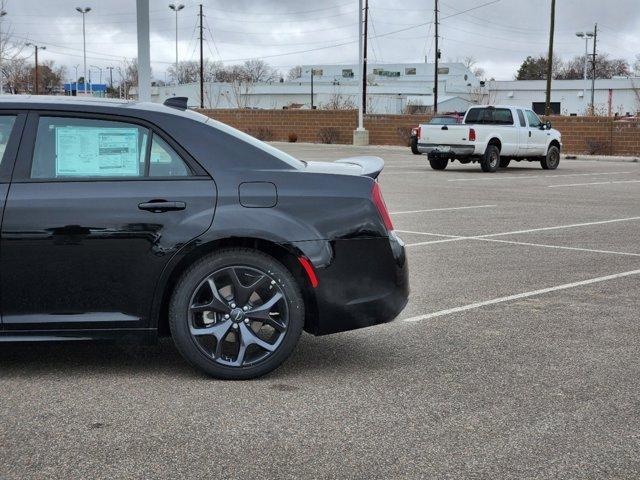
36 84
586 36
84 11
2 14
176 8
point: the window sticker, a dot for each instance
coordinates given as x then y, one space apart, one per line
96 152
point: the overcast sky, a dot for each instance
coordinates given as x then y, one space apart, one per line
290 32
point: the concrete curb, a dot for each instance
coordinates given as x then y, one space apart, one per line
601 158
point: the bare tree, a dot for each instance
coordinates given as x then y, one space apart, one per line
338 101
189 71
636 66
295 73
260 71
606 67
241 89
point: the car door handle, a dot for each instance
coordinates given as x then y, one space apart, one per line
162 206
529 132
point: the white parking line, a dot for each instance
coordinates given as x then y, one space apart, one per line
558 247
525 176
518 296
443 209
453 238
488 237
559 227
592 183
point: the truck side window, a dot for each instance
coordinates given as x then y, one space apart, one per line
521 118
534 121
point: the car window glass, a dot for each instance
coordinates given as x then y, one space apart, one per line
6 125
165 162
489 116
534 121
88 148
521 119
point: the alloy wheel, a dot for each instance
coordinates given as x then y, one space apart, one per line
238 316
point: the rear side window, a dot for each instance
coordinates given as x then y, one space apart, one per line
489 116
6 126
521 119
165 162
76 148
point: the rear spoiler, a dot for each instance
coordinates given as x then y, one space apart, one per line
371 166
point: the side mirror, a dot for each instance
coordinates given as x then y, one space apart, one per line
548 125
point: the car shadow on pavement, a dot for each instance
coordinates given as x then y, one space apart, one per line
343 352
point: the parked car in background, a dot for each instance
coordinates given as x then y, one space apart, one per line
132 221
491 136
442 119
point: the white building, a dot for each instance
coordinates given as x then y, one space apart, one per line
619 96
392 88
408 87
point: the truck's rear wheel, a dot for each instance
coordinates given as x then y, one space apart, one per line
438 163
552 160
504 162
491 159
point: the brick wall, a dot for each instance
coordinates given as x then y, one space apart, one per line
600 135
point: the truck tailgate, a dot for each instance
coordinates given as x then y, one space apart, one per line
444 134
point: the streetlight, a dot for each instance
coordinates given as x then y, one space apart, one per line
176 8
586 36
84 11
2 14
35 87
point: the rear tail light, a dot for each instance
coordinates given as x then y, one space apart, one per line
416 131
376 197
472 135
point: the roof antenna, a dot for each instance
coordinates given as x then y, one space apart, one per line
177 102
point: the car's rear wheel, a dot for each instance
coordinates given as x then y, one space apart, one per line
414 146
438 163
552 159
236 314
504 162
491 159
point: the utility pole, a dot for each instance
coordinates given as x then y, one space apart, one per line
364 57
2 14
435 72
176 8
36 85
547 102
201 61
84 11
593 77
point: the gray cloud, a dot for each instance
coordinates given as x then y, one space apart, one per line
499 36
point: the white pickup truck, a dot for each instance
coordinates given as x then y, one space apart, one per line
491 136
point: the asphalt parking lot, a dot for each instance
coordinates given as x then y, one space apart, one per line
517 356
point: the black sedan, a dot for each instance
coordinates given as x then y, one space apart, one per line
125 221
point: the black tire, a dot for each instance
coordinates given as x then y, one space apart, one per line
552 159
414 146
198 348
438 163
491 159
504 162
